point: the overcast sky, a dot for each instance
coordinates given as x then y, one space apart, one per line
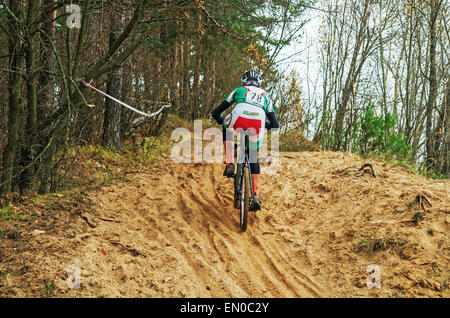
306 63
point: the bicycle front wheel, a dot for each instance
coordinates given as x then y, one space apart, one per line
244 200
237 177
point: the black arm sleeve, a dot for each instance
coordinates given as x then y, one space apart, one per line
273 122
216 113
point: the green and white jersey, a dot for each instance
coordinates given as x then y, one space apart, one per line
251 95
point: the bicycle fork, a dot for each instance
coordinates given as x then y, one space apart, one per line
241 176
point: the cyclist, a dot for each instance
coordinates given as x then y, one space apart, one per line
253 104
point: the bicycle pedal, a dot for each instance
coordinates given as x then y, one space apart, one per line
254 207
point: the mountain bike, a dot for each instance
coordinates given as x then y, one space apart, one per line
243 195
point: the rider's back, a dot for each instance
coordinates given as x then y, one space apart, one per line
251 95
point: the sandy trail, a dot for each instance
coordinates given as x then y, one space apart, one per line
186 213
171 231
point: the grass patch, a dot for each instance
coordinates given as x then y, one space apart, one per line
370 245
63 201
133 154
417 217
294 141
430 173
13 235
6 272
6 214
96 165
173 122
149 151
408 165
49 287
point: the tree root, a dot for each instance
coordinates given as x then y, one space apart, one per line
421 199
364 170
367 167
345 170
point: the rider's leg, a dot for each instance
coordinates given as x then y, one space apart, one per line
255 178
256 204
228 145
255 168
255 143
253 157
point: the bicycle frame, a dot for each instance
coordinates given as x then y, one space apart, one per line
245 161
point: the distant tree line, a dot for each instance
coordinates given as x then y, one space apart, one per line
385 59
186 53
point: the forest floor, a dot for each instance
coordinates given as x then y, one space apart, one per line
170 230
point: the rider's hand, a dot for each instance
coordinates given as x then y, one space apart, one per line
220 120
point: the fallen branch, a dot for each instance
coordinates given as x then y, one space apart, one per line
110 220
88 220
408 221
134 251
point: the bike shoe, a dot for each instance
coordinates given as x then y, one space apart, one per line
255 203
229 171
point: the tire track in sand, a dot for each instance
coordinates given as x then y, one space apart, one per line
242 253
189 206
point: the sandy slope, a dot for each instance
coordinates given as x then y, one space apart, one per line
171 232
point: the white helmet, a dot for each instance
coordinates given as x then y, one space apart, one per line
251 78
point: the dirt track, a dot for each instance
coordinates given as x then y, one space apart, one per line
171 232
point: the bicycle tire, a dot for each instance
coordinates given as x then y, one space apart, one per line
244 200
236 183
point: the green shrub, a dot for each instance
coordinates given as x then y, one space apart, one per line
374 134
430 173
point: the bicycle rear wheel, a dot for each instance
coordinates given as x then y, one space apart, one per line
244 200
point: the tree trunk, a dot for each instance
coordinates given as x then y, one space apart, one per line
28 178
181 77
175 65
127 86
431 155
112 131
16 62
187 69
352 75
198 64
48 63
445 133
